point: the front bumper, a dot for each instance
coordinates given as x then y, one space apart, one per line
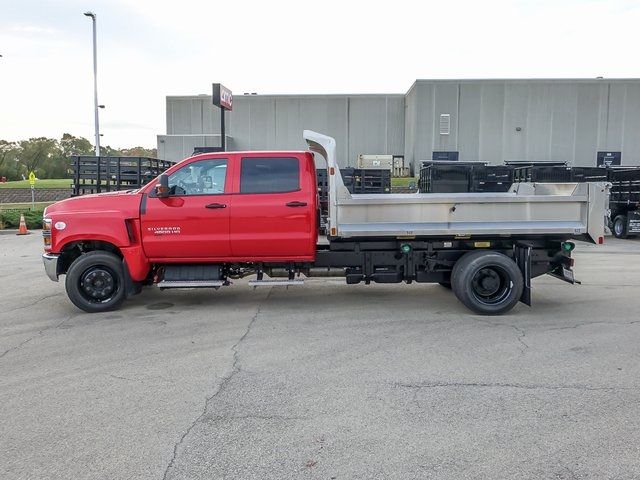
51 265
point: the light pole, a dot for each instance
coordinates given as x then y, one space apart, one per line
95 81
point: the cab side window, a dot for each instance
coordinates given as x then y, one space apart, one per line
269 175
206 177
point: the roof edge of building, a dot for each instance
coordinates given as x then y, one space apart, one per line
523 80
289 95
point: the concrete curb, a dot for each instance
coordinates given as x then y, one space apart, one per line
13 231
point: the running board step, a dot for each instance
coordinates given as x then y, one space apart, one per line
257 283
190 283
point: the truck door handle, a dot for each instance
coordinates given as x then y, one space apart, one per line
297 204
216 205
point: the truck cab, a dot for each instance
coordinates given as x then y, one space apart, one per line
220 208
233 207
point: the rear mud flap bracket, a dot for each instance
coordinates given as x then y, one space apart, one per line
564 274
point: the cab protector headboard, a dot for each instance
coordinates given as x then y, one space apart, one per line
326 146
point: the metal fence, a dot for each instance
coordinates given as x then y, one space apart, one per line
106 174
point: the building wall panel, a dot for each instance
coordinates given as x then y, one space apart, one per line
631 129
564 99
491 123
469 121
587 124
516 106
367 127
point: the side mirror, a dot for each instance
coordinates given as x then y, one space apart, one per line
162 187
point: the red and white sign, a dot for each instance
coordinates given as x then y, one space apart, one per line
222 96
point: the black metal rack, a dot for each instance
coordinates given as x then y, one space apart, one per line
357 180
625 187
447 177
491 178
366 180
624 201
589 174
542 173
106 174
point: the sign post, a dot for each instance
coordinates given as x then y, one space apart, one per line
223 99
32 183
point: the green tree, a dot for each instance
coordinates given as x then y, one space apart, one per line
35 151
70 145
50 158
139 152
107 151
58 165
8 155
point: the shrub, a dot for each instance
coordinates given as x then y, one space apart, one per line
11 218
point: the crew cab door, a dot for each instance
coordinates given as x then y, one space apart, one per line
193 222
273 213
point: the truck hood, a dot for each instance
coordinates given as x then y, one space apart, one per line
124 203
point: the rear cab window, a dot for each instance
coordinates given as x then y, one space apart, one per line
269 175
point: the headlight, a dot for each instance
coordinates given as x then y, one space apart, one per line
46 232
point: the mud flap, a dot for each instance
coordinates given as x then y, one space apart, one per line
522 256
131 287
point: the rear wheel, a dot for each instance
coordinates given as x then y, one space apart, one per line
487 282
620 226
95 282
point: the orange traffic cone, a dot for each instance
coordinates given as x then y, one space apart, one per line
23 226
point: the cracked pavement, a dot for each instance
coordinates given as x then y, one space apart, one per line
323 381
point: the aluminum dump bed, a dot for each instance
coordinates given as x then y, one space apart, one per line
575 210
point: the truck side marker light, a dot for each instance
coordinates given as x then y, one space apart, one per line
332 171
60 225
333 231
482 244
600 240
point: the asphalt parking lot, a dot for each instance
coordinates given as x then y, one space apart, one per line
324 381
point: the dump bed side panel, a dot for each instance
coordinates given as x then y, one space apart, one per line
530 209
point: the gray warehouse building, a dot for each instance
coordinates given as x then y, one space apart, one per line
483 120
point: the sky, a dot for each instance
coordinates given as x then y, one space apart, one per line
149 49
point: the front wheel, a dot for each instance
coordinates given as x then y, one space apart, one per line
95 282
487 282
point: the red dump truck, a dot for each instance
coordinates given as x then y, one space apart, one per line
217 217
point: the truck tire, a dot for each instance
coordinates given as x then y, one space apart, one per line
487 282
620 227
95 282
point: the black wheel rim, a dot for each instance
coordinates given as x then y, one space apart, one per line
491 285
98 284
